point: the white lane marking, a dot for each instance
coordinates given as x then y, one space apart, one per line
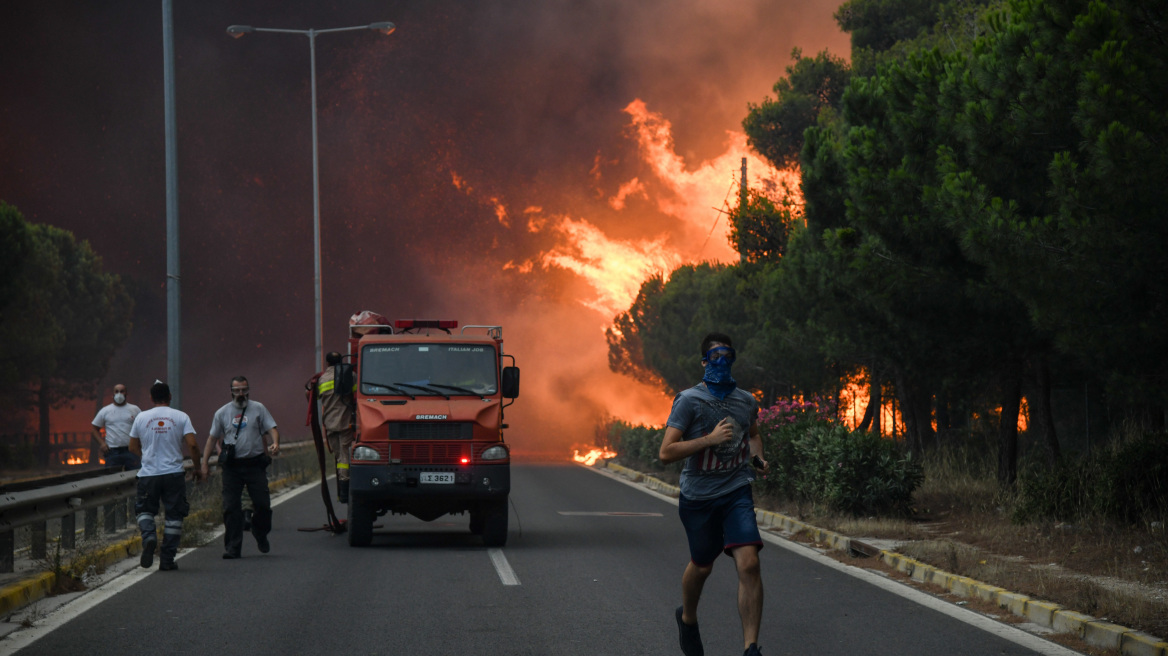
22 638
615 513
502 567
1004 631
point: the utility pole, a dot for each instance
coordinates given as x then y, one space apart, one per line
743 194
743 187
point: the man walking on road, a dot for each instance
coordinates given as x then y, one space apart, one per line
249 438
713 426
116 418
157 436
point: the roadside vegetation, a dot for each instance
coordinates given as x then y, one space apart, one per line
1088 535
973 260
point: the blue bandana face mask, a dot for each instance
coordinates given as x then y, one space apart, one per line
717 377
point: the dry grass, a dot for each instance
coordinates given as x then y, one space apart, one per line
963 526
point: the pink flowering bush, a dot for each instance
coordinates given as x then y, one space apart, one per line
793 411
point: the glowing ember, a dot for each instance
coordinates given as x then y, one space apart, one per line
592 456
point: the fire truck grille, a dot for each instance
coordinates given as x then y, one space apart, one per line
430 453
445 430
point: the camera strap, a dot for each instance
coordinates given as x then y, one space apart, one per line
239 427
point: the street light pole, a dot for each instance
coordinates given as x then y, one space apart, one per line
238 31
315 209
173 292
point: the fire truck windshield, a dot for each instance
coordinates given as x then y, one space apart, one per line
438 369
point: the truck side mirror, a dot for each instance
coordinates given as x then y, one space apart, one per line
510 382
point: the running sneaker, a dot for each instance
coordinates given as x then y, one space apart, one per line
753 650
689 637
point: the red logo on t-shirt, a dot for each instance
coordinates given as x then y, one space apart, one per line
160 423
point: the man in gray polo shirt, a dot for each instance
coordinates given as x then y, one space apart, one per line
250 438
116 418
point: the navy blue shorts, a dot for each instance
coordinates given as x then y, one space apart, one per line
719 525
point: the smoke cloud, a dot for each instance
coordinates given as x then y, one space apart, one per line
515 162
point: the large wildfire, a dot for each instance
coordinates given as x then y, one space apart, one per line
613 268
500 163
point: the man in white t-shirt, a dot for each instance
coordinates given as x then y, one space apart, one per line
157 436
116 418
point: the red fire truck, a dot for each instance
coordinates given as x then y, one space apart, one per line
429 425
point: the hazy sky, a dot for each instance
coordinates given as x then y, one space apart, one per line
459 157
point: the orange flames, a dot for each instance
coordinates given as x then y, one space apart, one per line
853 403
74 456
614 268
696 197
656 215
854 399
592 456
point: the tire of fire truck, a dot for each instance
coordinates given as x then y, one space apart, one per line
360 524
476 522
494 515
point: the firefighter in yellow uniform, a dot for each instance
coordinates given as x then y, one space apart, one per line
336 405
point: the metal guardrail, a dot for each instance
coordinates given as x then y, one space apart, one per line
63 500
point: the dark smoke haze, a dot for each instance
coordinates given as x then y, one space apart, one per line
518 102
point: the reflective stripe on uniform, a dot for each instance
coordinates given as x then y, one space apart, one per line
326 386
342 465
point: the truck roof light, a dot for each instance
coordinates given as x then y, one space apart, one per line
404 324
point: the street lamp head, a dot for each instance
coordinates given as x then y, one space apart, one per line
237 31
385 28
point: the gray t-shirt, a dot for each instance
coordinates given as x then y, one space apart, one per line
248 439
713 472
117 420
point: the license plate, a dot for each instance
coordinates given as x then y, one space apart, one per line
446 478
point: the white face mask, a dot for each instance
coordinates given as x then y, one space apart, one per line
119 398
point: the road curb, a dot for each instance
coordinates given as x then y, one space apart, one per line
1093 631
22 593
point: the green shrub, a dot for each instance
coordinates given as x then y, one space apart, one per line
638 446
855 472
811 457
1061 492
1126 482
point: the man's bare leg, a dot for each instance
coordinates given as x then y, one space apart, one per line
692 582
749 592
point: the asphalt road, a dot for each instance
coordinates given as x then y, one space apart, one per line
580 581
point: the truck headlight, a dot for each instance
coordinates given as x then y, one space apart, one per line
365 453
497 452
